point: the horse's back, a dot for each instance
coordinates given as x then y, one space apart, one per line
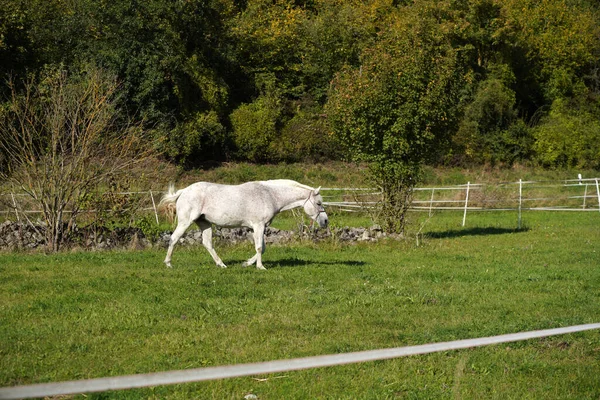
228 205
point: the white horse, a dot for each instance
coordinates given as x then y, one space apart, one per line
252 205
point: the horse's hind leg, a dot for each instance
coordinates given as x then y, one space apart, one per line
182 226
207 241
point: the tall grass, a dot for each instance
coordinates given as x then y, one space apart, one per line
92 314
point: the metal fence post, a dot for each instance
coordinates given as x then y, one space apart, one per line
466 204
431 201
520 202
598 193
17 212
154 206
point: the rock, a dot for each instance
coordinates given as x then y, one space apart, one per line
15 235
138 243
376 228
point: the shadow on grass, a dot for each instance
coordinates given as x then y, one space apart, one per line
296 262
454 233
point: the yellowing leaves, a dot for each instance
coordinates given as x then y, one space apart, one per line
558 34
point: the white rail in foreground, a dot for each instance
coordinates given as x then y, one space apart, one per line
269 367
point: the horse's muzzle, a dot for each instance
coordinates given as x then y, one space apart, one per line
322 220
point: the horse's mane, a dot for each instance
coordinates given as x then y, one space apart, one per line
288 183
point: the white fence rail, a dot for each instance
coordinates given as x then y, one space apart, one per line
565 195
268 367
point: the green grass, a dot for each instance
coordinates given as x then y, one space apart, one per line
93 314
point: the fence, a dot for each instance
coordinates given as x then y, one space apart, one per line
269 367
13 205
569 195
565 195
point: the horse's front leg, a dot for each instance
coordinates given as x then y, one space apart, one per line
259 244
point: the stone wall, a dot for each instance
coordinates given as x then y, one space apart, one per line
19 235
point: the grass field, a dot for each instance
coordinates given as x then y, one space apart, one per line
93 314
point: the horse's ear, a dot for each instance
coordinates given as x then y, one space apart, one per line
317 190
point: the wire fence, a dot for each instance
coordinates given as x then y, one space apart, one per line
581 194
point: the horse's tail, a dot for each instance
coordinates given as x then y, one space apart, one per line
168 201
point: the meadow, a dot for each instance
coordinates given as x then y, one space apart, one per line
77 315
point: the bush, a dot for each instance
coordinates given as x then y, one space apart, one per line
255 128
490 131
568 137
63 139
194 141
306 137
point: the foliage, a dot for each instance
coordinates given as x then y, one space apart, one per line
167 55
528 53
194 70
399 107
561 41
255 124
149 227
267 36
490 130
569 136
197 140
112 202
306 137
334 36
63 138
95 314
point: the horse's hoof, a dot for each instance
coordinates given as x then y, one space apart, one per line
168 265
221 265
261 268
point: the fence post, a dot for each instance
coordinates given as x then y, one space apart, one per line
431 201
466 204
585 195
520 201
15 206
598 193
154 206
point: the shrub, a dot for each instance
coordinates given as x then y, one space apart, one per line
62 138
306 137
200 138
568 137
491 131
255 128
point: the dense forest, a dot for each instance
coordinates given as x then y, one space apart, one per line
446 81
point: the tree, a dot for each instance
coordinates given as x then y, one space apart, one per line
560 40
400 105
255 125
63 137
267 41
569 136
333 35
490 130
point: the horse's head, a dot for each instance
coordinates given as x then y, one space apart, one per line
313 207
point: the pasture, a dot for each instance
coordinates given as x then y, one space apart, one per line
93 314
